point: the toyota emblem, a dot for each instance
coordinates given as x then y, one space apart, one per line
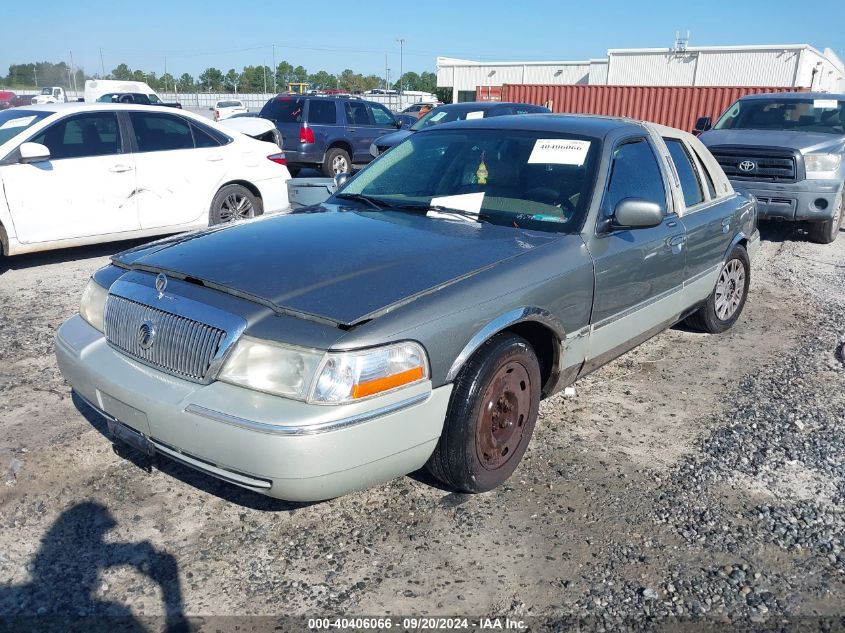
146 335
161 284
747 165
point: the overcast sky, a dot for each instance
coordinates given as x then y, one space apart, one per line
330 35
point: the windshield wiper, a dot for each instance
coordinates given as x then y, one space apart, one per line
480 217
375 203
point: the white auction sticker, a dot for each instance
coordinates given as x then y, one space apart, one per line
21 122
438 116
825 104
470 202
556 151
475 115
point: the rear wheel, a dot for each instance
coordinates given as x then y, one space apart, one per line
232 204
827 232
491 416
725 303
337 162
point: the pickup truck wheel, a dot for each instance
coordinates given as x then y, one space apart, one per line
725 303
337 162
232 204
491 416
827 232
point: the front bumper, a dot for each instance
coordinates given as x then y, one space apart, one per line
283 448
810 200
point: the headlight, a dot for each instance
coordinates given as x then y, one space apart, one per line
93 304
265 366
350 376
822 162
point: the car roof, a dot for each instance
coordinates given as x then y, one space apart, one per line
479 106
794 96
583 124
79 106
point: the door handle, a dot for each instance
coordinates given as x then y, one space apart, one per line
119 169
214 159
676 244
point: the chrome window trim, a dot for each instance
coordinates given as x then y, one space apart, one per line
310 429
232 325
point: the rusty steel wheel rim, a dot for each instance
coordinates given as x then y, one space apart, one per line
503 416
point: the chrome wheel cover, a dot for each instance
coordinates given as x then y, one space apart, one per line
730 289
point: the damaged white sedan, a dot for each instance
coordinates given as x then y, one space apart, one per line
79 173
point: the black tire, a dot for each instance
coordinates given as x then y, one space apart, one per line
232 204
337 162
827 232
710 317
491 416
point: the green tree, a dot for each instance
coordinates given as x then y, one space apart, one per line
211 79
185 83
322 79
232 80
166 82
121 72
428 81
299 75
284 74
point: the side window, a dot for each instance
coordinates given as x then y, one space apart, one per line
160 132
707 178
204 138
322 112
382 116
94 134
356 113
686 172
634 173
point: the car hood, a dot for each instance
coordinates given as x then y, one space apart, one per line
805 142
394 138
340 266
251 126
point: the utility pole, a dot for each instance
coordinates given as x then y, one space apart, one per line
35 73
73 76
401 41
165 74
264 70
102 64
274 70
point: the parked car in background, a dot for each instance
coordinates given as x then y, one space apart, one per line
6 99
420 314
50 94
21 100
787 149
329 133
225 109
73 174
454 112
414 108
138 98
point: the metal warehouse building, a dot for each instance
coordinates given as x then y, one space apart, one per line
792 65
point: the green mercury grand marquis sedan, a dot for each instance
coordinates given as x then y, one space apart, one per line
418 316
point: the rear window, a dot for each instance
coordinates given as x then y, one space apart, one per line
230 104
322 112
283 110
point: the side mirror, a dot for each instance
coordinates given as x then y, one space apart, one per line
703 124
399 124
635 213
34 152
211 108
340 180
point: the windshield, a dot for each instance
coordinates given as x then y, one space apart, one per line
445 115
46 91
536 180
800 115
153 99
13 122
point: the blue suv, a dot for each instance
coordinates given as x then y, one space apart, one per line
331 133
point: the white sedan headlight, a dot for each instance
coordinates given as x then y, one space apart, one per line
822 162
264 366
93 304
350 376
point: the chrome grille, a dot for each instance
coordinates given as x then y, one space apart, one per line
770 165
180 346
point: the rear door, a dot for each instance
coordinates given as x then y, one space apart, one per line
707 218
86 187
639 272
179 165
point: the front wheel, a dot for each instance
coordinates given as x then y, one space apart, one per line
827 232
725 303
491 416
232 204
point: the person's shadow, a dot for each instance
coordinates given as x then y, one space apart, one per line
62 595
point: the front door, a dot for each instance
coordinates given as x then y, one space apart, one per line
639 273
86 188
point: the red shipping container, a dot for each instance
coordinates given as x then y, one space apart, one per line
675 106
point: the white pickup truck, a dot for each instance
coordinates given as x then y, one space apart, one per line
50 94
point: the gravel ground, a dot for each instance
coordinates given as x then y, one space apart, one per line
699 479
